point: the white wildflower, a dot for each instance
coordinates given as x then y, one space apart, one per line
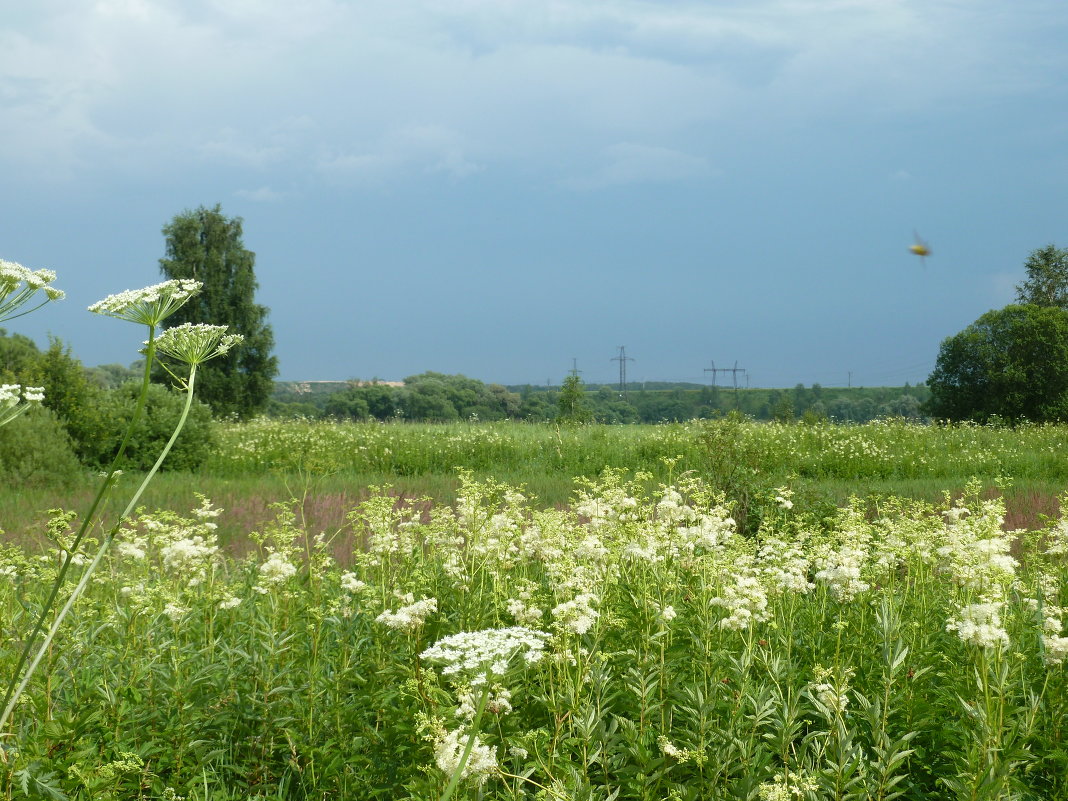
409 617
745 598
795 786
449 750
149 306
175 611
980 624
578 614
195 343
350 583
489 652
274 572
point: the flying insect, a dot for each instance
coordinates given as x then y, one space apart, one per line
920 248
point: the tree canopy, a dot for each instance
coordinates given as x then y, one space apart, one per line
1047 278
1011 363
205 245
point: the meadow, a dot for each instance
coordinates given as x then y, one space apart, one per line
695 611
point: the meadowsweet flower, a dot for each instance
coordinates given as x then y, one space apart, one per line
229 602
149 306
189 557
498 702
449 750
350 583
18 284
980 624
787 788
274 572
841 570
523 614
578 614
745 598
409 617
831 691
668 613
474 656
195 343
175 611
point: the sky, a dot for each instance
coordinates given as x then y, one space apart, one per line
509 189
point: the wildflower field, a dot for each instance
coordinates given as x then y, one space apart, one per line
633 645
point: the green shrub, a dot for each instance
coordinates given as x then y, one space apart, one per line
35 450
164 407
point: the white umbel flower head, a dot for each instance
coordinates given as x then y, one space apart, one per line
10 405
476 655
195 343
149 306
18 284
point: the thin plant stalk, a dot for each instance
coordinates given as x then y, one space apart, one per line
11 694
84 581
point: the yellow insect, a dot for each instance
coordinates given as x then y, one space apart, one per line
920 248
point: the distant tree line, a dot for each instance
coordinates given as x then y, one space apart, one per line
436 397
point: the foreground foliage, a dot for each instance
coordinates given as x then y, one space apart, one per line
633 646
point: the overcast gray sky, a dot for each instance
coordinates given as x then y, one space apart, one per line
494 187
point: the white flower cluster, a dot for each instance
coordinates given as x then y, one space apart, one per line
149 306
524 615
498 702
841 570
831 690
745 598
351 584
787 788
18 284
12 274
475 656
976 552
9 394
194 343
274 572
409 617
577 614
189 557
449 750
784 566
980 624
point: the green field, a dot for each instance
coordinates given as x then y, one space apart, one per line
694 611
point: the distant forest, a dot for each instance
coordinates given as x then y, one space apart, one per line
446 398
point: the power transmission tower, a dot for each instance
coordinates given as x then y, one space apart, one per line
622 358
574 366
734 375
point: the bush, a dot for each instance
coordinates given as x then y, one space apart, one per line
164 407
35 450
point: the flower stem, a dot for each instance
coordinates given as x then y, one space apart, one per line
13 696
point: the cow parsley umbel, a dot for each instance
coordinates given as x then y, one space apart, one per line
19 284
149 306
195 343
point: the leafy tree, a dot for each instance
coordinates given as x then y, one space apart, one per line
571 402
1047 278
1011 363
206 245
